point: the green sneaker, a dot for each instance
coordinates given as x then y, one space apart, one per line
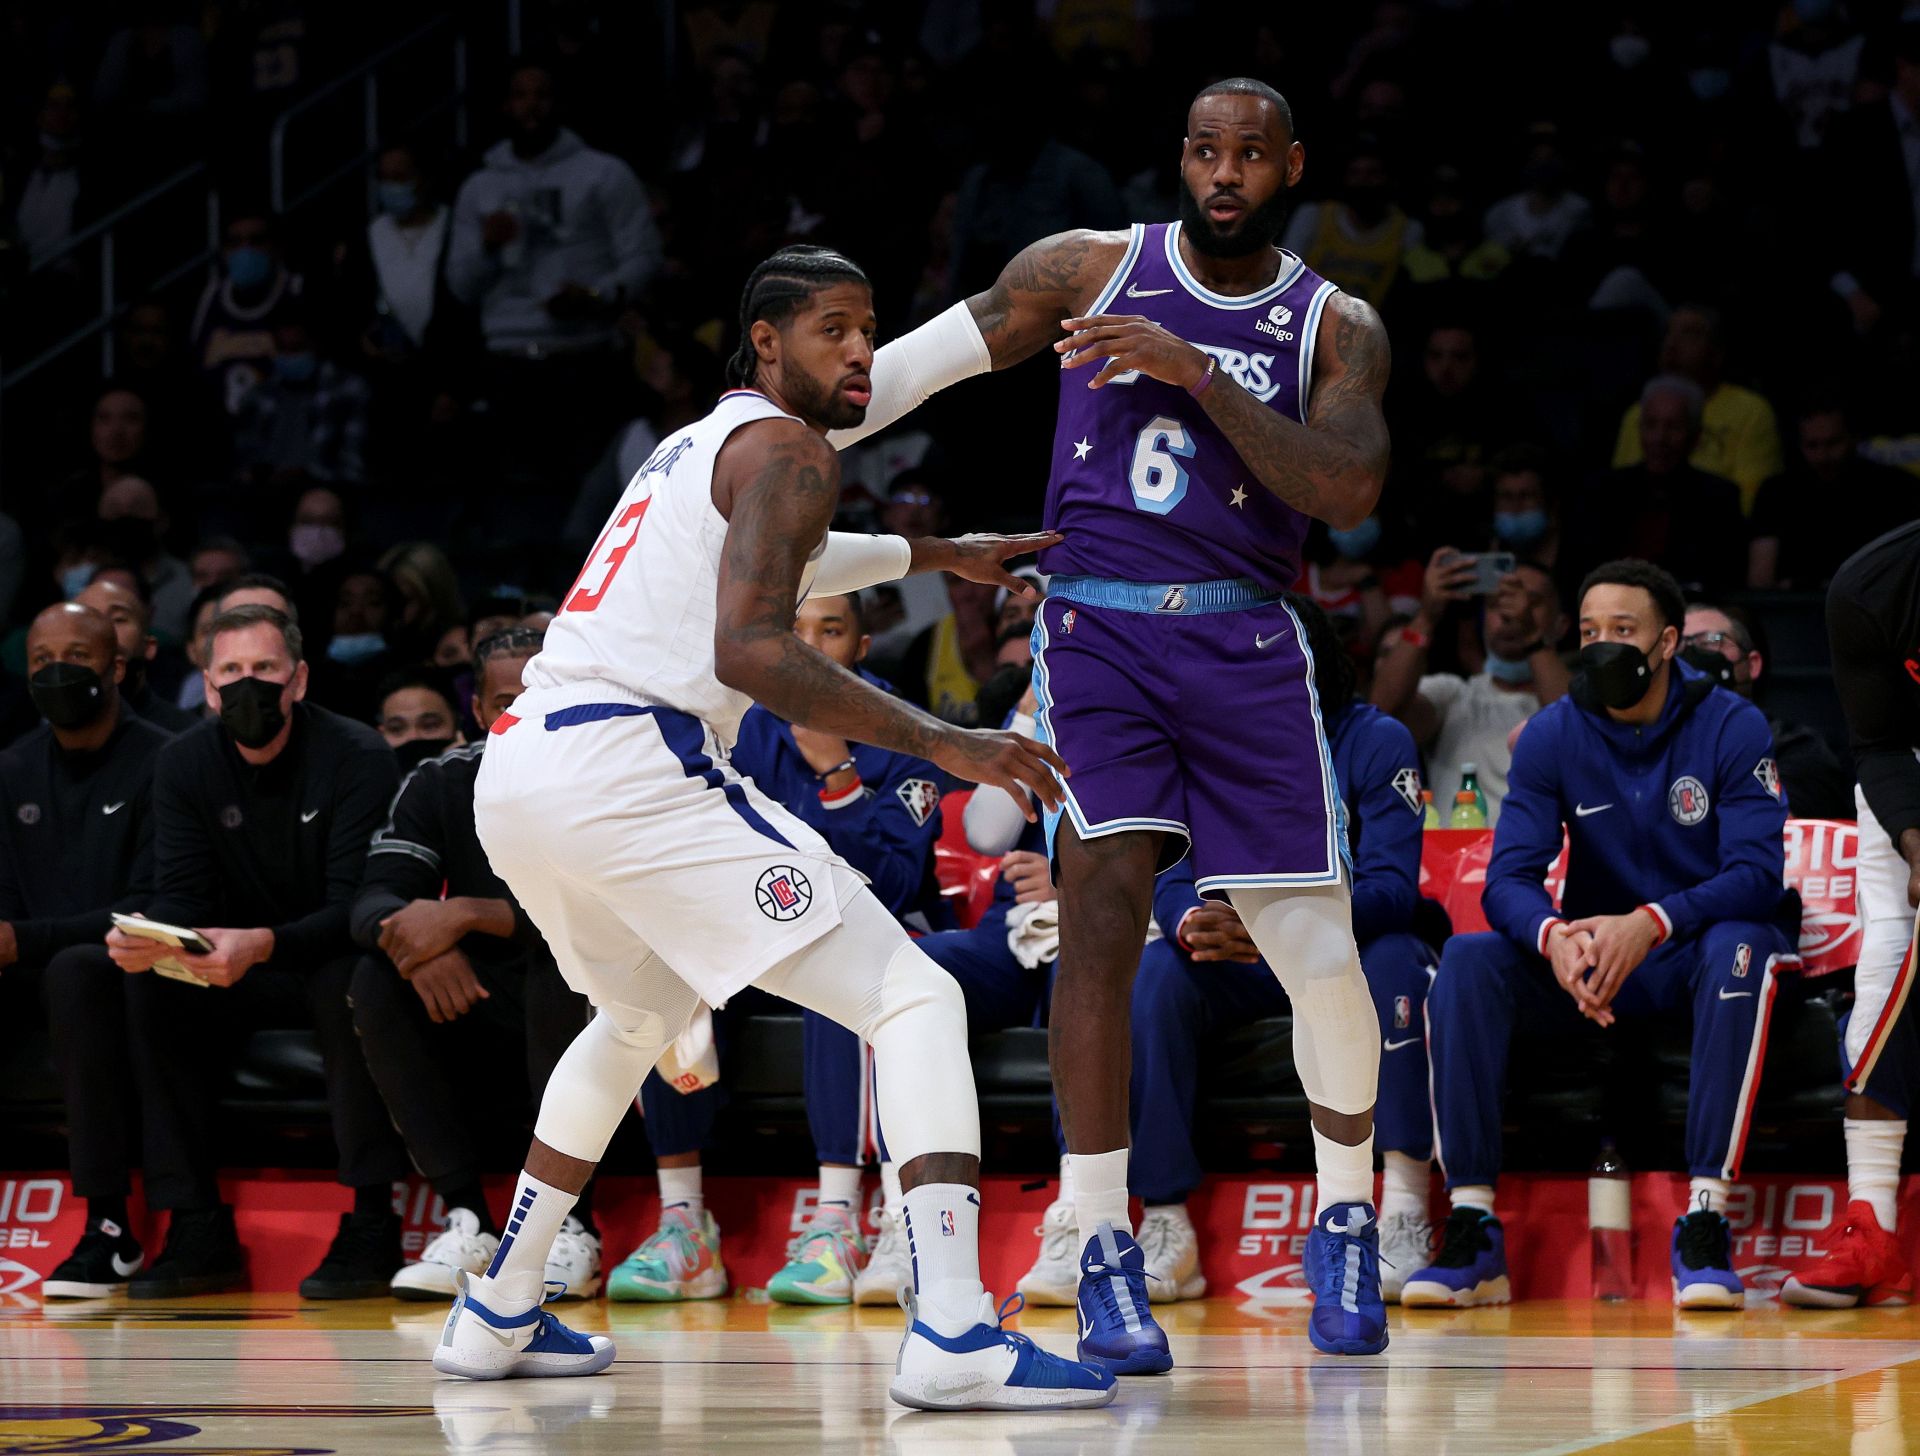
679 1260
823 1260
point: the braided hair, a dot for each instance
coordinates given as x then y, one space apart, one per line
778 289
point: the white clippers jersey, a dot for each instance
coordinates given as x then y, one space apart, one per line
638 624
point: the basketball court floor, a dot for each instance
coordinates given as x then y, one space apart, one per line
265 1375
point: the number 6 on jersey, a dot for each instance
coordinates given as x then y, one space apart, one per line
1158 478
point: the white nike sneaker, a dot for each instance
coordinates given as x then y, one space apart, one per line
574 1261
497 1329
889 1264
988 1367
1054 1278
1172 1248
461 1245
1406 1245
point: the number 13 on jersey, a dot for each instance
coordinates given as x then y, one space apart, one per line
615 542
1158 478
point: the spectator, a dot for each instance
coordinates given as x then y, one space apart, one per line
130 511
360 650
1204 975
76 843
1871 206
430 602
1665 509
1539 220
1723 643
1347 577
1673 904
1452 245
550 240
216 560
1827 505
419 716
1526 517
880 811
916 505
405 244
116 447
1461 721
1621 265
1738 437
54 194
191 695
1814 64
434 920
944 667
232 339
122 604
186 431
307 420
265 866
1360 238
1446 429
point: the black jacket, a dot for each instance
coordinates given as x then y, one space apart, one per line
1873 627
428 849
280 846
76 835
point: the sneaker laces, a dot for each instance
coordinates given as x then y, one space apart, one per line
1415 1227
1136 1284
1058 1234
1159 1234
830 1229
1009 1307
888 1240
677 1235
1703 1239
1462 1239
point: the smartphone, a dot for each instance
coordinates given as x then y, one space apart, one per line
1489 569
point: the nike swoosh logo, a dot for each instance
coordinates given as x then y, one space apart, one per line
1580 811
125 1269
113 808
1086 1327
1134 291
1394 1046
974 1199
309 816
1265 642
1734 995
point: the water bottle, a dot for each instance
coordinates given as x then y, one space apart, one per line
1470 783
1610 1218
1467 813
1429 814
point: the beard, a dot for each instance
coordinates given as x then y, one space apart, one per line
1259 228
816 400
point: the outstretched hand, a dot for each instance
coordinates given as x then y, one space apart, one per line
982 557
1126 342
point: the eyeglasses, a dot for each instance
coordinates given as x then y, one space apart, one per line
910 498
1715 641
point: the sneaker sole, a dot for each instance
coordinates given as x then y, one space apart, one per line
1816 1296
349 1289
80 1289
710 1285
1139 1362
1707 1296
524 1367
1345 1347
421 1294
806 1294
937 1393
187 1285
1423 1294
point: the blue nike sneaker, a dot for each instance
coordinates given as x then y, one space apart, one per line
1470 1269
989 1367
1343 1270
1117 1330
1703 1276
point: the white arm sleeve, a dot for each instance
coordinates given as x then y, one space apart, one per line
942 351
854 561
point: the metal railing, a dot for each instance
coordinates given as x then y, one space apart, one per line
374 133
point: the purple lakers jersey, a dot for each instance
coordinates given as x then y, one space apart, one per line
1144 484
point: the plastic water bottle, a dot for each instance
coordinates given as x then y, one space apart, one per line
1429 814
1467 813
1470 783
1610 1218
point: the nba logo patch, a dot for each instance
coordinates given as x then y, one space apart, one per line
1066 622
1768 773
1687 801
921 796
1742 958
1406 783
1402 1012
946 1222
783 893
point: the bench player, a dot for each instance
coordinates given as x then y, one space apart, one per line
661 878
1196 441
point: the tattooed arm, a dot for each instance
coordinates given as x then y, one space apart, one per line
1046 282
1334 465
777 483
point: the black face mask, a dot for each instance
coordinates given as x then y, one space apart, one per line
1615 674
250 710
67 694
416 751
1706 660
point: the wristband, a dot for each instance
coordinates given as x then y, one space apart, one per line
1660 927
840 798
1206 380
1411 636
840 767
1180 931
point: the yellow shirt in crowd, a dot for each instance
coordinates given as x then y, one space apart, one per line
1738 439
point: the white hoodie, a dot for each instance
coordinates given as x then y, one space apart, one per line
584 218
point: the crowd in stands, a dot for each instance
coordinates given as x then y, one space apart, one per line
1658 300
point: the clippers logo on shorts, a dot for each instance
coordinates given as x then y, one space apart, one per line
1406 784
1174 601
946 1222
1402 1012
921 796
1742 958
1768 772
1066 622
783 893
1687 801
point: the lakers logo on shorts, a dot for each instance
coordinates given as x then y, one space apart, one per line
783 893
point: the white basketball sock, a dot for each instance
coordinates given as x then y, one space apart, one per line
1065 1195
683 1186
1345 1170
517 1277
1404 1182
1100 1191
1873 1165
890 1188
1713 1190
1472 1195
943 1232
840 1185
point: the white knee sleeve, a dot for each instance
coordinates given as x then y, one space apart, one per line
868 976
599 1075
1307 937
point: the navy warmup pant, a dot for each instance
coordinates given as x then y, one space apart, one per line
1489 990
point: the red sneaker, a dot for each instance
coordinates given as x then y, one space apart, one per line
1865 1268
